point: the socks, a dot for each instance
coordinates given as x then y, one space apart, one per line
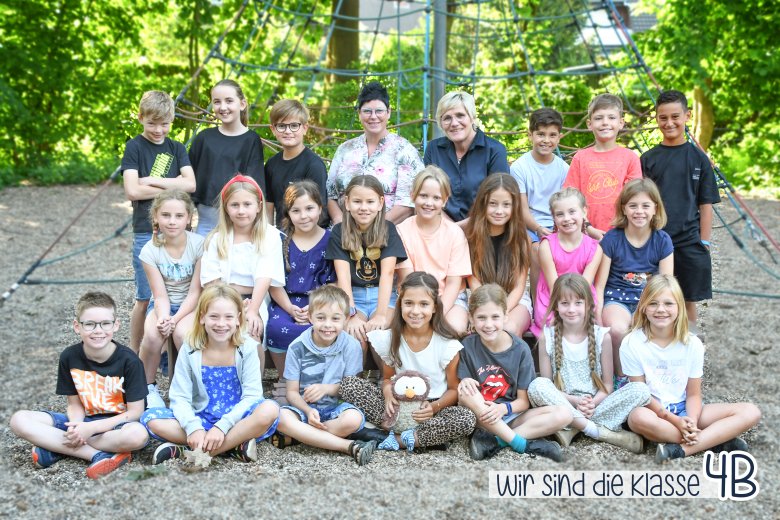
591 430
408 438
389 444
518 443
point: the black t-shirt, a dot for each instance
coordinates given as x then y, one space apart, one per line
217 158
499 375
365 265
686 180
103 388
163 160
279 174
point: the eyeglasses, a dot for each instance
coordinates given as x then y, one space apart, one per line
89 326
379 112
282 127
447 120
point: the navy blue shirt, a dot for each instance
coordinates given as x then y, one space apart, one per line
484 156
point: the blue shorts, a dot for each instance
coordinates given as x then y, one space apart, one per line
534 237
59 420
208 216
677 409
328 413
174 308
366 297
166 413
142 290
618 297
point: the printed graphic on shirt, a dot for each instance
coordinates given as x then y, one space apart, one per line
365 263
602 183
637 279
176 272
162 165
495 384
99 394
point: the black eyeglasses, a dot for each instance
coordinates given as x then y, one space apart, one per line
105 325
282 127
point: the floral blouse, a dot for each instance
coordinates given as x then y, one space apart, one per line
395 162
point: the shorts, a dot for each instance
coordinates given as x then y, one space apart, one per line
150 308
525 301
152 414
208 216
693 270
462 300
677 409
142 290
366 297
534 237
60 419
618 297
328 413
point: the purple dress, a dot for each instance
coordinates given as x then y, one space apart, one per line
308 270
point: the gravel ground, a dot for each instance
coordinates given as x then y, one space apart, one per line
283 483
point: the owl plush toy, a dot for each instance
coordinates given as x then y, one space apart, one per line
410 389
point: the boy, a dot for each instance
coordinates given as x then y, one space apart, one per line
688 188
105 386
601 171
151 164
539 174
296 162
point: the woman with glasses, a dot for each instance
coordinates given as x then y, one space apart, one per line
387 156
465 153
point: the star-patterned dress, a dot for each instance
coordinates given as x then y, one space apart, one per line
308 270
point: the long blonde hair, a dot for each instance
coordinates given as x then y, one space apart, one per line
224 226
158 239
352 239
574 284
657 284
197 337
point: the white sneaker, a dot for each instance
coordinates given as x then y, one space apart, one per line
153 398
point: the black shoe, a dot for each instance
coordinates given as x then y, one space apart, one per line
668 451
369 434
735 444
544 448
483 445
436 447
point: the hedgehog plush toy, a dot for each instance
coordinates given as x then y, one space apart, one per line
410 389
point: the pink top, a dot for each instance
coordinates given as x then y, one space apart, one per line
443 253
600 176
565 262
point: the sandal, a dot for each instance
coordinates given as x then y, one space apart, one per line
362 451
281 441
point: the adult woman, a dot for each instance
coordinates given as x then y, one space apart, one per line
388 157
465 153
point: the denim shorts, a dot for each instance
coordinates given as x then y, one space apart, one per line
174 308
366 299
462 300
60 419
534 237
616 297
677 409
208 216
328 413
142 290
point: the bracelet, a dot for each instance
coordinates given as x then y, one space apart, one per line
587 224
508 408
705 243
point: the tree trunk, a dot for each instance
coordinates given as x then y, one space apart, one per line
344 45
703 118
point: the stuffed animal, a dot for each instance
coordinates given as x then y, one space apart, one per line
410 389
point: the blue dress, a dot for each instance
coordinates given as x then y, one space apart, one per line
308 270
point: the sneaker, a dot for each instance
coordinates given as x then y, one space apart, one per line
483 445
153 397
668 451
246 451
735 444
565 436
168 451
543 448
104 463
43 458
368 434
622 439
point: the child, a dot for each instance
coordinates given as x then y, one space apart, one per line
567 250
576 354
316 363
600 172
364 248
218 153
661 352
217 403
296 162
171 262
105 386
499 247
245 251
151 164
495 370
688 188
633 252
540 173
304 260
437 245
419 339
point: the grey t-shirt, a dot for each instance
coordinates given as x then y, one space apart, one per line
499 375
176 272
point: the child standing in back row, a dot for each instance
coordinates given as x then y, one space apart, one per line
601 171
687 184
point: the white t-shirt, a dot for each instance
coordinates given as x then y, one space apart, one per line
244 263
176 272
431 361
667 369
539 181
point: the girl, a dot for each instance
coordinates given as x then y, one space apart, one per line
171 261
499 246
495 370
419 339
364 248
218 153
216 394
660 351
245 251
437 245
304 261
634 250
567 250
576 354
